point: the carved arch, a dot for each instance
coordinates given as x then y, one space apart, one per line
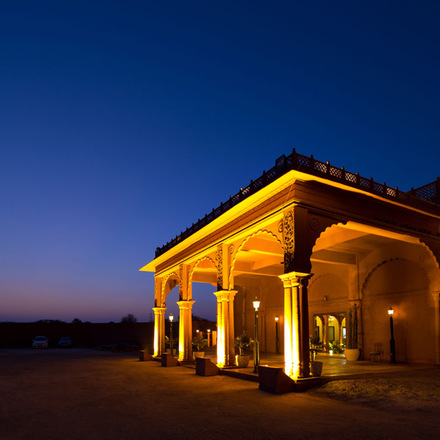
193 268
426 262
234 258
326 230
169 283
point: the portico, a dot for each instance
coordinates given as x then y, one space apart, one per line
307 239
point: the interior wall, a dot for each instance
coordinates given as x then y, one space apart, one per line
403 285
269 291
328 290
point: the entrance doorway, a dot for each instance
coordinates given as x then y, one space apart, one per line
329 332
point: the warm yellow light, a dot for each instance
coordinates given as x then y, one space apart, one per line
291 324
156 336
171 318
277 318
256 304
390 311
209 330
221 355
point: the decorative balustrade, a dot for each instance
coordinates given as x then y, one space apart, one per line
421 197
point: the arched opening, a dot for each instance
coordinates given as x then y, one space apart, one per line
203 281
402 284
172 313
329 333
254 274
373 269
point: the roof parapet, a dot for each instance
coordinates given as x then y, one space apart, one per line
420 197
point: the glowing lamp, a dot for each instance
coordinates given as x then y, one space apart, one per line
171 335
277 340
392 341
256 304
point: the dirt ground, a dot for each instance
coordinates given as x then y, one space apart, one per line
88 394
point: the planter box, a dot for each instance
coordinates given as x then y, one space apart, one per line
274 380
145 356
168 360
204 367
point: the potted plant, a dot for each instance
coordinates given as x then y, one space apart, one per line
314 345
243 343
200 344
352 351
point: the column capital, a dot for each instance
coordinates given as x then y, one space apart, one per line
225 295
185 304
159 310
294 278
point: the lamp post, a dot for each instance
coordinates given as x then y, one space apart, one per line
392 342
256 305
277 340
209 337
171 334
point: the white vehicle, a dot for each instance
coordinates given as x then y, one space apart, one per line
40 342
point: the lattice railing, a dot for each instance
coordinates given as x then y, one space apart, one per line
309 165
430 192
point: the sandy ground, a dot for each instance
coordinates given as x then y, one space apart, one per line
416 391
86 394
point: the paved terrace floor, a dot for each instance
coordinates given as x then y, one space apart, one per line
334 366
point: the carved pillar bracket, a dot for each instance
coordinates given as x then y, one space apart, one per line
296 324
225 327
159 330
185 330
219 263
289 241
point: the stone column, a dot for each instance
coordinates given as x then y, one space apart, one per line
185 330
159 330
296 324
225 328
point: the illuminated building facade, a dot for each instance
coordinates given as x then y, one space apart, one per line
311 241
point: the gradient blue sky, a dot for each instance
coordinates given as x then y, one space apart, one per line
122 122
